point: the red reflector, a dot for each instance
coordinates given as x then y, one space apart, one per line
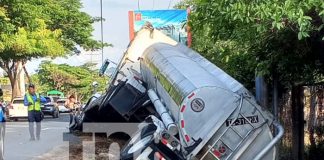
187 138
182 123
216 153
158 156
192 94
137 78
183 108
164 141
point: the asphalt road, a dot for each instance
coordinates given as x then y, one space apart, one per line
17 145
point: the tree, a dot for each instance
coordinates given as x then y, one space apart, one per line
184 4
277 35
47 28
68 79
274 37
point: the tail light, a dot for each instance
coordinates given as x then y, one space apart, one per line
158 156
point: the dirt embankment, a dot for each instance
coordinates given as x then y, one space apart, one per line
91 147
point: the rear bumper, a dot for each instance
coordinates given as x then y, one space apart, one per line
48 112
14 116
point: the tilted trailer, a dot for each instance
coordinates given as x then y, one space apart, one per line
195 110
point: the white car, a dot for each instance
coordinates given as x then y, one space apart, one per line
17 109
61 105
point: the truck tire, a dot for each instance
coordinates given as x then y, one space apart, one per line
139 142
56 114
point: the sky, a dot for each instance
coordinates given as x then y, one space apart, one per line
115 13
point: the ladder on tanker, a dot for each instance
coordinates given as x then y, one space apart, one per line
221 150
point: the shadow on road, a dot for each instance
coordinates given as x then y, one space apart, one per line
64 117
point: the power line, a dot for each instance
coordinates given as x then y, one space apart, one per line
102 43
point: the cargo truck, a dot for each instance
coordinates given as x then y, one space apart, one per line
189 108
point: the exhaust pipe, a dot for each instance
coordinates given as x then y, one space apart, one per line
162 111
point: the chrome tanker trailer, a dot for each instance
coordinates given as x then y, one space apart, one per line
189 108
203 113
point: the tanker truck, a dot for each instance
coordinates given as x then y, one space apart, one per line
188 107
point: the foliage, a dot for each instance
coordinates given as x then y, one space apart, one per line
42 28
273 38
261 37
41 88
184 4
62 17
68 79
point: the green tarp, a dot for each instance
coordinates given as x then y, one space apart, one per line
55 92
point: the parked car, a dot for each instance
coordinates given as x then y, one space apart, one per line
50 108
61 106
16 109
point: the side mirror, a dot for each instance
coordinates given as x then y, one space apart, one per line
104 67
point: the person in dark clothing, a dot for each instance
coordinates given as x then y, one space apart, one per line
33 101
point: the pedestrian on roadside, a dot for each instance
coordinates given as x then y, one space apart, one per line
71 105
33 101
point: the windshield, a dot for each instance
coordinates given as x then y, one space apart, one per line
55 98
48 99
61 102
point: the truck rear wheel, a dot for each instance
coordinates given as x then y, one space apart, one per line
139 142
56 114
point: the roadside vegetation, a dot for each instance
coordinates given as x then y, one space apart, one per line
75 80
280 40
35 29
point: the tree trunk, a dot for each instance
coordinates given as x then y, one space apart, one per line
297 116
27 75
311 120
17 80
13 69
16 91
320 108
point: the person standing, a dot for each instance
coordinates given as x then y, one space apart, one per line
33 101
71 105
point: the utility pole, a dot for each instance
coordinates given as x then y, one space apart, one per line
102 43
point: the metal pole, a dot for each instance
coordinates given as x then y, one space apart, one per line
102 45
275 98
274 141
275 105
162 111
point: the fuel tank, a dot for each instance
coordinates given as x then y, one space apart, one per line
211 109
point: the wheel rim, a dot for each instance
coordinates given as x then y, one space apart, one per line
140 144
